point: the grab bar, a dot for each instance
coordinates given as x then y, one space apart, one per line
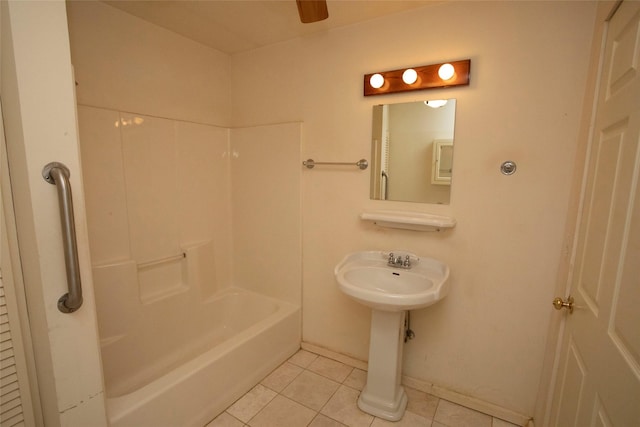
58 174
385 186
362 163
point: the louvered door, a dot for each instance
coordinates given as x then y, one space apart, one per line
16 407
11 408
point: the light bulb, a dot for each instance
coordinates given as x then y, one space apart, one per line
446 71
436 103
409 76
376 81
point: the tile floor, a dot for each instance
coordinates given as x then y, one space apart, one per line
314 391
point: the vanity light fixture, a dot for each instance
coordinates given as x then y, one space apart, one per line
432 76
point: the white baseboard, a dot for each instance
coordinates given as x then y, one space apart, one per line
433 389
335 356
469 402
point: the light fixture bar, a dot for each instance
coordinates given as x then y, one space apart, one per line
427 78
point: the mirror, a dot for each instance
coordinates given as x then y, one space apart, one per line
412 151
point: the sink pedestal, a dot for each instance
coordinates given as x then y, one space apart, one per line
383 396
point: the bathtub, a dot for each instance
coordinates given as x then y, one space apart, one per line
186 375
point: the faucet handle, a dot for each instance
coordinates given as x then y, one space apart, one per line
407 261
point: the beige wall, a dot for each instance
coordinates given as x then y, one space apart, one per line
121 63
529 62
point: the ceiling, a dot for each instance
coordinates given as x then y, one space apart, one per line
233 26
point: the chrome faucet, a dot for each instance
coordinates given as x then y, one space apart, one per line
391 260
398 262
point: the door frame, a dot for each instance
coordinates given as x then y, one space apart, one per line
38 102
551 363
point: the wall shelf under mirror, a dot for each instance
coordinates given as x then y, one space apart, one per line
417 221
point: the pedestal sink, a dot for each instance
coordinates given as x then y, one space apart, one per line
391 284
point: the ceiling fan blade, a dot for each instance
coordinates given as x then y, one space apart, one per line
312 10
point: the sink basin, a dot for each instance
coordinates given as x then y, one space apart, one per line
366 277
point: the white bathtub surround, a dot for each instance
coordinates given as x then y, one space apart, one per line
155 187
303 392
191 312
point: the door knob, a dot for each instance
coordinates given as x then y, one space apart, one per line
559 304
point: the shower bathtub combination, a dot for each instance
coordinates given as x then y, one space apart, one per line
185 329
178 359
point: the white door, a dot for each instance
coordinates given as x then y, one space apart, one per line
598 381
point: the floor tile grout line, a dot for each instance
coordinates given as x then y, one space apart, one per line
280 393
319 411
334 393
235 418
294 378
261 409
